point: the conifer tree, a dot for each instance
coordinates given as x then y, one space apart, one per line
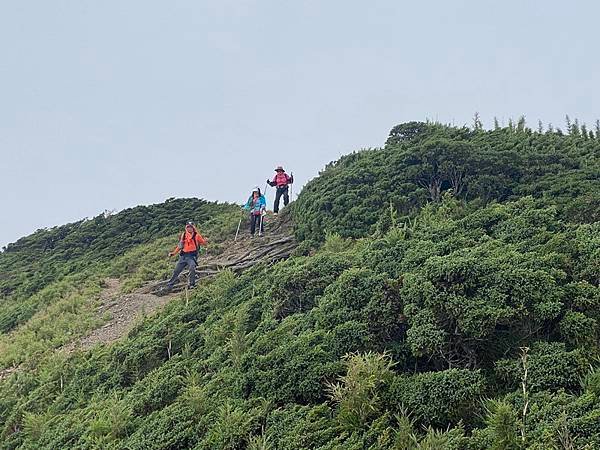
568 123
584 131
540 127
496 124
575 128
597 129
477 125
550 128
521 124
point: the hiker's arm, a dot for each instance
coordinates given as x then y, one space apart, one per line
175 251
200 240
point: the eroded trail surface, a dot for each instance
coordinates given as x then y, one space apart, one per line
277 243
123 310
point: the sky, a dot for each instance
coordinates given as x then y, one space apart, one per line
110 104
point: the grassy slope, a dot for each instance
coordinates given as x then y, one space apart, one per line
65 309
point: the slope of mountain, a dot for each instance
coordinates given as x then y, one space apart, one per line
444 294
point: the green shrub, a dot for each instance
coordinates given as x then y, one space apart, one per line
591 382
438 398
578 329
296 286
502 421
550 367
357 392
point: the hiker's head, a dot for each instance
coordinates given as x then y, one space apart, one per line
189 226
256 192
279 169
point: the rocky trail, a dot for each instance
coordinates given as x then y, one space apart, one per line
124 310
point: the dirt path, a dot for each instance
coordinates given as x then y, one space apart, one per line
5 373
124 310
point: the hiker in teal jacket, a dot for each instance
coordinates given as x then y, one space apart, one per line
257 205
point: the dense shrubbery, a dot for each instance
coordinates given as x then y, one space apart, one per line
435 332
422 161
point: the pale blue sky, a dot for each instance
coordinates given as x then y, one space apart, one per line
111 104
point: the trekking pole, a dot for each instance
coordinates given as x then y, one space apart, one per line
260 225
238 230
292 189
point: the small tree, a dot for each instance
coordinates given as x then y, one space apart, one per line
502 421
477 124
575 128
357 392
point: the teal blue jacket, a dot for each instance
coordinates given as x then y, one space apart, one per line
256 207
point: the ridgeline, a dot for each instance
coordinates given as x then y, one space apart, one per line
441 292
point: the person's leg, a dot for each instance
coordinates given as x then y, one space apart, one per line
252 224
191 263
286 196
178 269
277 198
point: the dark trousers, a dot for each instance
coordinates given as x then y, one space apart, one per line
286 198
185 260
254 220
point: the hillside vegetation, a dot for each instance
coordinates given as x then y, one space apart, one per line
422 161
444 295
35 262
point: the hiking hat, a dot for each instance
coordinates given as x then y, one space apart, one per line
189 223
279 168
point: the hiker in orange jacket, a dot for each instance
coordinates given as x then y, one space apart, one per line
189 244
281 182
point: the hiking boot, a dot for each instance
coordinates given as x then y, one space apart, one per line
164 290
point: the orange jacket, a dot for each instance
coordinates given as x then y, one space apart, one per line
189 242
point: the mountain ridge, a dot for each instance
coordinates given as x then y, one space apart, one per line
437 286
